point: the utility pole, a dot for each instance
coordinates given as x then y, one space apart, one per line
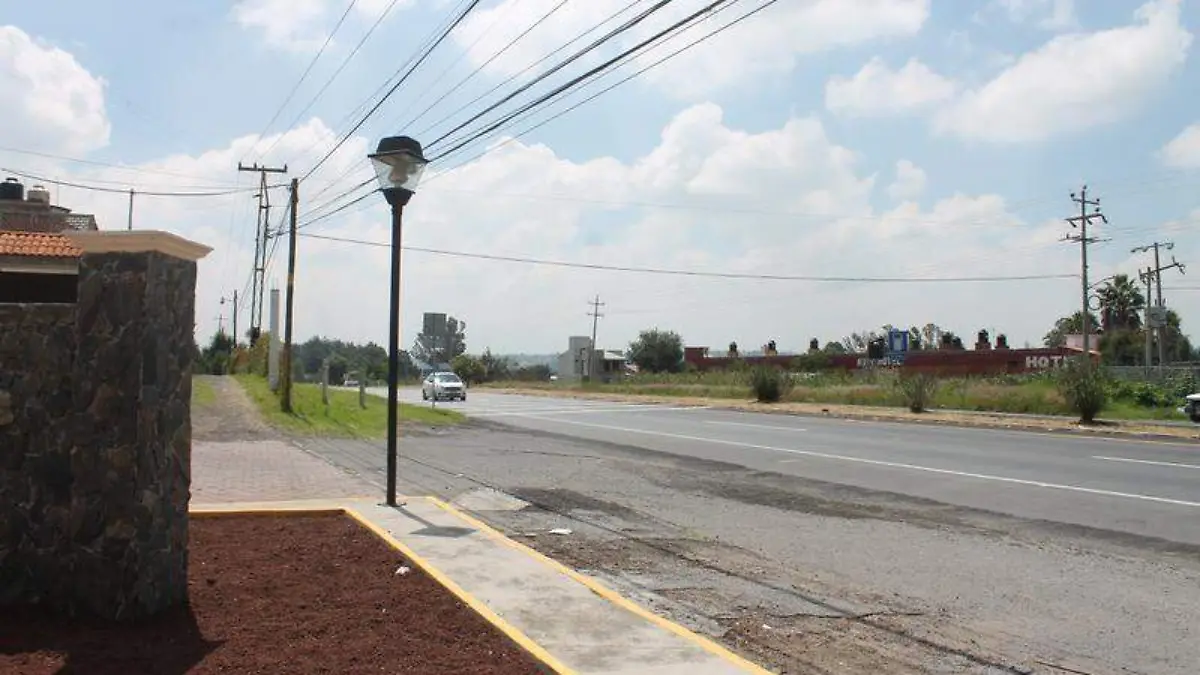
1081 222
130 225
1158 324
1147 278
286 374
261 234
235 315
595 314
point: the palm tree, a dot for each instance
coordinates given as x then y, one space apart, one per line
1121 304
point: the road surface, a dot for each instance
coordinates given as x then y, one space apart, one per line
1146 488
817 545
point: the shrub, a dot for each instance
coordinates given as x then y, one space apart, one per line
770 385
917 390
1084 387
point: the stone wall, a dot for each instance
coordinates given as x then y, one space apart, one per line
101 511
37 352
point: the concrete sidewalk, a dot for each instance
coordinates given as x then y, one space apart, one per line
568 619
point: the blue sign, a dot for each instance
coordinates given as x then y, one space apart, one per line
897 344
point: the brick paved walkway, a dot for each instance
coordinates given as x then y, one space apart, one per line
273 470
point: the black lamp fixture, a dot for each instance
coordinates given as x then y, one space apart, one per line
399 164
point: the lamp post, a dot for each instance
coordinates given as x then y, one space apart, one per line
398 163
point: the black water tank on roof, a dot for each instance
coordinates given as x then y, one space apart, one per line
12 189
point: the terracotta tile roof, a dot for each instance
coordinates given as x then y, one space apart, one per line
37 245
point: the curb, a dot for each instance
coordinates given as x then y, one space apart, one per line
607 593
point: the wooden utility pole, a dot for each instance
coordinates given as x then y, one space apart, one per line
595 314
261 234
1081 222
235 316
286 370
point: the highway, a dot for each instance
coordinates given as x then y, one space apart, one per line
1146 488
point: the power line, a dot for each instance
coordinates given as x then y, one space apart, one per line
631 23
107 165
125 191
693 273
462 15
526 69
616 84
304 75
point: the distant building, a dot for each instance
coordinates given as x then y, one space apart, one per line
32 211
573 363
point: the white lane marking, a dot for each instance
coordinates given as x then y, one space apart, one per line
1146 461
756 426
569 411
893 465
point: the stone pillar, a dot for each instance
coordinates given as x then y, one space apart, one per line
131 458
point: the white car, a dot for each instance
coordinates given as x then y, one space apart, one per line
443 386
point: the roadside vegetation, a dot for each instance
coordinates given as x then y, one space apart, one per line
343 417
1052 393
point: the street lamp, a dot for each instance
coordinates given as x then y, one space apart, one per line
398 163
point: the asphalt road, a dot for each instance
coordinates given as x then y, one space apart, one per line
817 545
1145 488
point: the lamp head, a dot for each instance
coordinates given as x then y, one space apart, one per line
398 162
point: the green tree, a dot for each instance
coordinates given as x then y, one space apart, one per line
1176 345
215 359
1068 325
657 351
469 368
495 368
1121 304
437 350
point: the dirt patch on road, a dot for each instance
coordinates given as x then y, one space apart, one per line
230 415
877 414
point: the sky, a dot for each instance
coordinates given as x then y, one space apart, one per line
875 161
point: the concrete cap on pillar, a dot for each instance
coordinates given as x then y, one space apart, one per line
138 241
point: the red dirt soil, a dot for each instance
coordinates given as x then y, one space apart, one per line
278 594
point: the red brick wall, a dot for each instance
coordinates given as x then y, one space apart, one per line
941 362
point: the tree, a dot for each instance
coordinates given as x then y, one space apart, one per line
469 368
437 350
914 339
495 367
1121 304
1068 325
657 351
857 342
1176 345
834 348
215 358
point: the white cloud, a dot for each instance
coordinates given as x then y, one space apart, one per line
768 43
301 25
877 90
1183 151
910 181
785 201
1045 14
50 101
1075 81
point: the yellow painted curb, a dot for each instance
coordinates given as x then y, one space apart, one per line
609 594
534 649
211 514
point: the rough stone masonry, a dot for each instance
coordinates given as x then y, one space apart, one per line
95 439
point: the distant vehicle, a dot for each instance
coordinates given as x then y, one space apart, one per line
351 383
1192 407
443 386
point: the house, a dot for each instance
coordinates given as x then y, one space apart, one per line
573 363
33 212
38 267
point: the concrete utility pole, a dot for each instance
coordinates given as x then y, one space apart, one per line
1147 278
286 399
1159 324
595 314
1081 222
274 343
261 234
130 225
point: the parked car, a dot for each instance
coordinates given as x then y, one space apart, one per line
443 386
